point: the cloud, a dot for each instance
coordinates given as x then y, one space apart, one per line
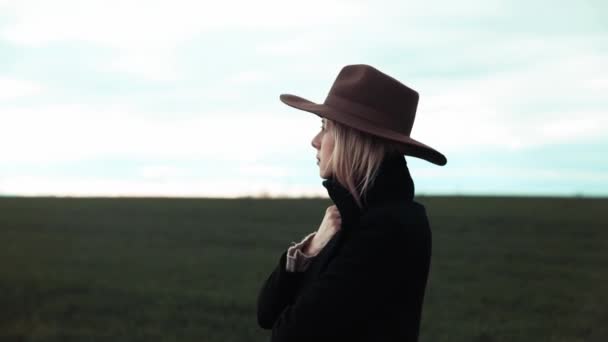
247 77
68 132
243 169
49 186
11 88
256 169
151 64
559 100
127 23
146 39
521 173
156 172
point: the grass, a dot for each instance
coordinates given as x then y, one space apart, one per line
153 269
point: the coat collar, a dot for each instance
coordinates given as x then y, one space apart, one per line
393 183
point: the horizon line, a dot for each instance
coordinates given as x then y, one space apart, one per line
266 196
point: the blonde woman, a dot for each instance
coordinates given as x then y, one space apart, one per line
362 275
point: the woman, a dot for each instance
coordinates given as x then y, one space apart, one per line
362 275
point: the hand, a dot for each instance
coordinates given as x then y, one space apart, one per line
332 222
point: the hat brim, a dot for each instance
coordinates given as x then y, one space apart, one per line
409 146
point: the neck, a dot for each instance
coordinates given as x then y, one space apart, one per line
392 183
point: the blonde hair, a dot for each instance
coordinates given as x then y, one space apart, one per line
356 157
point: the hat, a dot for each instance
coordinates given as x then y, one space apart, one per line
364 98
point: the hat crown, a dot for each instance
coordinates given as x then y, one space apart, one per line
361 85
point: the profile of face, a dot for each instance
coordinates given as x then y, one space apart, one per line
323 142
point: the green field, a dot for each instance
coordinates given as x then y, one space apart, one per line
503 269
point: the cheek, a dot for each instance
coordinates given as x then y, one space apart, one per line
324 146
328 144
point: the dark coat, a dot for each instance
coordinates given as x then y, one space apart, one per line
368 282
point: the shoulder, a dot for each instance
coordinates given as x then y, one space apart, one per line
400 214
393 235
401 222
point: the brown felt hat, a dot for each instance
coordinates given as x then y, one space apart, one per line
371 101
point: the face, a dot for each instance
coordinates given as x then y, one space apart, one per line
323 142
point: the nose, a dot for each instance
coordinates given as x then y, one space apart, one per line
315 142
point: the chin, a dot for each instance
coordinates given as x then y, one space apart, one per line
323 173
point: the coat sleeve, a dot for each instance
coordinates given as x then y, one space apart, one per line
356 284
282 284
277 291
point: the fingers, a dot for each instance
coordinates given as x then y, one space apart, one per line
333 217
333 210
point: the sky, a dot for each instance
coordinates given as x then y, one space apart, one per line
181 98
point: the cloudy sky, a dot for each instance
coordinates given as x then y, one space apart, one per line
181 98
